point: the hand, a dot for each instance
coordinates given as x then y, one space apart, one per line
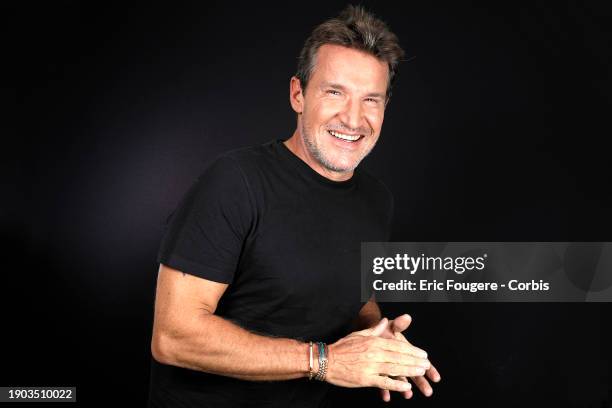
364 359
394 330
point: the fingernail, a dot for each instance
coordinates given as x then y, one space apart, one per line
407 386
420 371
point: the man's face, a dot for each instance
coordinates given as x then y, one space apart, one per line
343 107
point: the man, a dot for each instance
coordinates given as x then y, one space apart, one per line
261 256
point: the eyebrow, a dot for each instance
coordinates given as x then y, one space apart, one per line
334 85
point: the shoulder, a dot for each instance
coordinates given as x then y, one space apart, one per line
249 155
244 161
234 164
237 174
224 176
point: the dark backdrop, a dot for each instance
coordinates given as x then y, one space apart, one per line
497 130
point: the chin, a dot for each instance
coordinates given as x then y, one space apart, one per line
343 166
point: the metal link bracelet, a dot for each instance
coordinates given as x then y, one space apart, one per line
322 362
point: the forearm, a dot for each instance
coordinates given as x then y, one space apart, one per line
369 315
221 347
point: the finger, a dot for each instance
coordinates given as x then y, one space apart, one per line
400 337
400 347
405 394
423 385
395 370
384 356
433 374
379 328
388 383
385 395
387 333
401 323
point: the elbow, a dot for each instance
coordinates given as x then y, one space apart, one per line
174 344
161 348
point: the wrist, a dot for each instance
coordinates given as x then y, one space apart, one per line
310 367
322 361
329 361
315 362
317 368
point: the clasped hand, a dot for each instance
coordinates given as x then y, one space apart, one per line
394 330
381 357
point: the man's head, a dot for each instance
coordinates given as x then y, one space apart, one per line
340 91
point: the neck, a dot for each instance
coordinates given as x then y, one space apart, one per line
297 146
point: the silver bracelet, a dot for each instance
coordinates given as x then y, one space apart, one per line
310 361
322 362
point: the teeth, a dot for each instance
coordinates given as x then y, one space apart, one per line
342 136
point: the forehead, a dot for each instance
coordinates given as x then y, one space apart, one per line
350 67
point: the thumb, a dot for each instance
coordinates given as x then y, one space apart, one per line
401 323
379 328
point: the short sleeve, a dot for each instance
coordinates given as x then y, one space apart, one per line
205 234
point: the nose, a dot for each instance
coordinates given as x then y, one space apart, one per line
351 114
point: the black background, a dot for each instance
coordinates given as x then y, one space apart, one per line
496 131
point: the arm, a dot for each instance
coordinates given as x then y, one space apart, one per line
187 334
369 315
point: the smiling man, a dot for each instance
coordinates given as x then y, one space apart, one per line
258 297
340 113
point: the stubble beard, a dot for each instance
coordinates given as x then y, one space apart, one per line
321 157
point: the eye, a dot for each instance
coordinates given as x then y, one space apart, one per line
332 92
374 101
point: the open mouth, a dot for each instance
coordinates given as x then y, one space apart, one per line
345 137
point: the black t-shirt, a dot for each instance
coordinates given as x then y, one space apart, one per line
287 241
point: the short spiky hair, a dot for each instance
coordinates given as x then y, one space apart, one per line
353 28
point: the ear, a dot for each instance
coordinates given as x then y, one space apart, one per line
387 99
296 96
